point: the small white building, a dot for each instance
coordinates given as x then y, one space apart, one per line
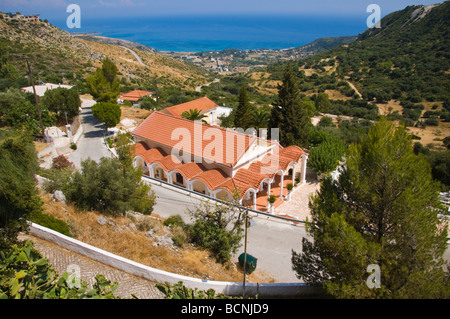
41 89
205 106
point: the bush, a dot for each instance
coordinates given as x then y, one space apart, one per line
179 291
60 162
217 230
326 121
24 274
272 199
179 236
175 220
325 157
432 121
109 187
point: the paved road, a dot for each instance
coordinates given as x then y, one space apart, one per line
135 55
91 144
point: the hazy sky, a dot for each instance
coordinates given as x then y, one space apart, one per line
56 9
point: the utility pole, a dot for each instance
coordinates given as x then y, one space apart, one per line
245 251
35 97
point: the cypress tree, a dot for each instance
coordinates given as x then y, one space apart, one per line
290 116
244 112
382 210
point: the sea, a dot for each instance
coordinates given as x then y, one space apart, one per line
218 32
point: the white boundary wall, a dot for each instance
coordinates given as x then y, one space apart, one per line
276 290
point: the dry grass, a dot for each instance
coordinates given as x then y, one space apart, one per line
133 113
118 237
39 146
157 65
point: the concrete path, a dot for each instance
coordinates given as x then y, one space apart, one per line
91 144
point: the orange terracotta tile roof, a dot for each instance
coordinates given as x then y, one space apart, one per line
149 155
192 137
190 170
292 152
135 95
213 178
201 104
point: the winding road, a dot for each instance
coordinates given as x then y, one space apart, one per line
135 55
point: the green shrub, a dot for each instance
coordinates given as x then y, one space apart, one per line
51 222
179 236
24 274
272 199
175 220
109 187
218 230
179 291
432 121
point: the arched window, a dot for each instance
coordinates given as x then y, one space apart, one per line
179 178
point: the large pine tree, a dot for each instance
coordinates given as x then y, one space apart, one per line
289 115
104 84
381 211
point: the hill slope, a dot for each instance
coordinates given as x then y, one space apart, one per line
57 56
407 58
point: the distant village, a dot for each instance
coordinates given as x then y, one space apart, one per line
232 61
18 16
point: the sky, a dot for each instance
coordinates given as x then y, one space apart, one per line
57 9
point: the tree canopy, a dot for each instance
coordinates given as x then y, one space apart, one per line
18 193
289 115
64 102
243 117
104 85
382 210
110 187
107 113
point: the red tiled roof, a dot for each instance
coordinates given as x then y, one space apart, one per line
230 147
135 95
190 170
213 178
292 152
201 104
168 162
244 178
149 155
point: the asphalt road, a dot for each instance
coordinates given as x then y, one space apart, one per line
91 144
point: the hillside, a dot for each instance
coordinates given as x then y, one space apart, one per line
407 58
401 70
59 57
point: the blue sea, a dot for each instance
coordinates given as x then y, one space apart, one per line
215 33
